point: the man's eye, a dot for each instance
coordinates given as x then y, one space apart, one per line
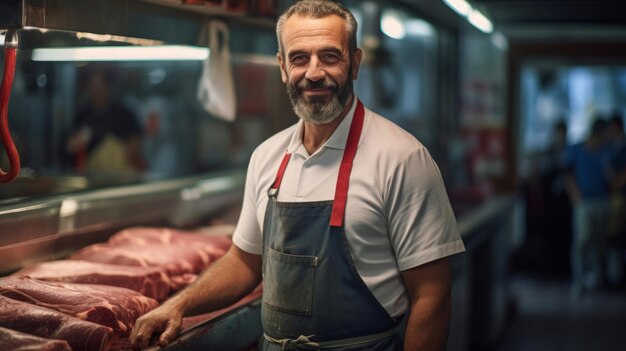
330 58
298 59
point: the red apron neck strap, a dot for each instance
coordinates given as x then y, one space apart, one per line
343 179
279 176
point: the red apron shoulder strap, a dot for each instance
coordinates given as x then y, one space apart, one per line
343 179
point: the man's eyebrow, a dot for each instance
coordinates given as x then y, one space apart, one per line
331 49
293 53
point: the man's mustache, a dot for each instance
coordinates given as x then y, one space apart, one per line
320 84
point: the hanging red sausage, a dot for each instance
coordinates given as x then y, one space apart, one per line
10 53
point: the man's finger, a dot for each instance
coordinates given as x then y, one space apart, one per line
141 339
169 334
133 333
137 342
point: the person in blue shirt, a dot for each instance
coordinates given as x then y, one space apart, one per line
588 180
616 235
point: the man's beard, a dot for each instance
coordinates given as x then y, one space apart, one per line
321 109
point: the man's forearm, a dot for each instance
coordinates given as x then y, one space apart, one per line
222 284
429 287
428 325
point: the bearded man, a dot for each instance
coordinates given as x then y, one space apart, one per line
345 216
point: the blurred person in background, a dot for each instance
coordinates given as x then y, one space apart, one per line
557 220
615 132
616 235
587 183
105 135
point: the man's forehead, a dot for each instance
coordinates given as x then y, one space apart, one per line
302 29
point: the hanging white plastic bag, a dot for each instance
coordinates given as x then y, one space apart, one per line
216 89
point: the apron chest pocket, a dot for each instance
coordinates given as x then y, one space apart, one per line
288 282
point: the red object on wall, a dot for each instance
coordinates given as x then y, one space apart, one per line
237 5
10 54
266 8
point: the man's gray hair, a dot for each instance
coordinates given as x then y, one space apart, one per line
319 9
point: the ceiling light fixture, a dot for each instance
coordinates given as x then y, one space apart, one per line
461 7
480 21
473 16
391 24
122 53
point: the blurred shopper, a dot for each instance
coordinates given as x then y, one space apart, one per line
105 135
558 209
616 240
615 132
587 184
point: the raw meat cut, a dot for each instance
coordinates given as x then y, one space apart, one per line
46 323
149 281
214 246
117 308
180 254
18 341
174 259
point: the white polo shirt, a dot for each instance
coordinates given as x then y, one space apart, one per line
397 217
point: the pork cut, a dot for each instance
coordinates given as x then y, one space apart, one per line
46 323
149 281
117 308
17 341
181 254
213 245
174 259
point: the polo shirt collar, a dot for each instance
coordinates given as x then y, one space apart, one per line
336 141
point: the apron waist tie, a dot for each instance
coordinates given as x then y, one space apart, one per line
303 342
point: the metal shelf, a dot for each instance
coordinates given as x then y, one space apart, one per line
163 20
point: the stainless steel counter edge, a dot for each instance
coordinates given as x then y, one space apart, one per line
48 227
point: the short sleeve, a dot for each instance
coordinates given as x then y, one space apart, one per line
247 235
421 224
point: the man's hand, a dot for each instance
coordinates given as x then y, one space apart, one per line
222 284
165 320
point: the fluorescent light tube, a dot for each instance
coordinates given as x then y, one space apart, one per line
391 24
479 21
122 53
499 40
418 27
461 7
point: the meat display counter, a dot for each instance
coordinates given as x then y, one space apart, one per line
55 227
73 216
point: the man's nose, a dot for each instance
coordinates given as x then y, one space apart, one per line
315 70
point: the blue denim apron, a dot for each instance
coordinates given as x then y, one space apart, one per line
313 296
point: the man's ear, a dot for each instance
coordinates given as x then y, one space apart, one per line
356 62
281 63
